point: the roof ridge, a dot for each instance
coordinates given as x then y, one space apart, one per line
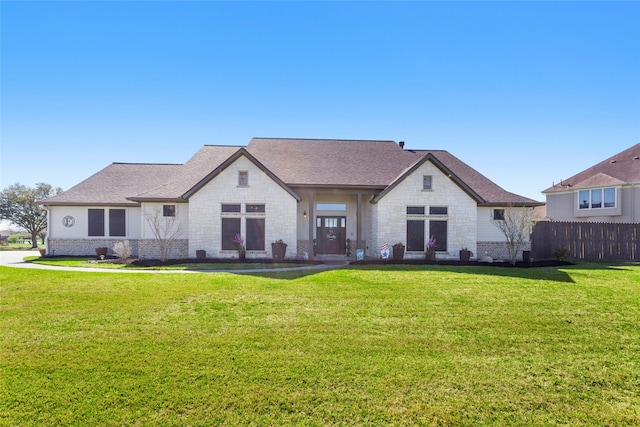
324 139
149 164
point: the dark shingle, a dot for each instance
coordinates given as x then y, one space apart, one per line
621 168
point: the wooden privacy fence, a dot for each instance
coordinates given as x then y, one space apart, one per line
589 241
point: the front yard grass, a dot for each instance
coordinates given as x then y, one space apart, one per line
111 264
369 345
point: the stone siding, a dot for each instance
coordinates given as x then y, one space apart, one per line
497 250
85 247
390 213
205 211
149 249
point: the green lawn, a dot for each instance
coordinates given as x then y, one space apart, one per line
113 264
372 346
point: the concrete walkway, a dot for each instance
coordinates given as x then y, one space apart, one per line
15 259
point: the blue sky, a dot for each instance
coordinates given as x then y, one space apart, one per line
527 93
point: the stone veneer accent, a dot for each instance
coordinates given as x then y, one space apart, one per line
146 248
84 247
497 250
149 249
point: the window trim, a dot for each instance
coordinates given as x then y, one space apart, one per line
230 208
498 214
427 185
168 211
243 178
445 210
420 210
92 217
114 217
589 205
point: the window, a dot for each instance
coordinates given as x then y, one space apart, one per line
438 210
255 208
597 198
331 206
438 230
415 235
255 234
230 227
427 182
243 179
231 208
609 197
117 224
415 210
169 210
96 222
583 197
498 214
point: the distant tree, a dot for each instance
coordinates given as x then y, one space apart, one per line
18 205
516 227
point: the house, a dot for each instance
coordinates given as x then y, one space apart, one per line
606 192
318 196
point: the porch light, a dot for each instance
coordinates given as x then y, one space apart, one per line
304 214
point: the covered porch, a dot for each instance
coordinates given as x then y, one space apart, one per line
333 222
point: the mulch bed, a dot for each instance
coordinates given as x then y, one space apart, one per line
157 262
519 264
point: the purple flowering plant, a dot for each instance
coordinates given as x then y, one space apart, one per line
431 245
238 240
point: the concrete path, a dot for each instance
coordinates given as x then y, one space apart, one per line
15 259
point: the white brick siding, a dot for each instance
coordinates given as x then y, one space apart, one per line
389 215
205 220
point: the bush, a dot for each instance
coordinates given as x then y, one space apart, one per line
13 238
561 253
122 250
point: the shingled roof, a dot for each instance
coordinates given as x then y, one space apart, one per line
115 183
622 168
328 163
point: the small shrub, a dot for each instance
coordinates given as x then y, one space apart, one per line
122 250
561 253
12 239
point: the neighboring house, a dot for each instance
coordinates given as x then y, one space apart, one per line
317 195
606 192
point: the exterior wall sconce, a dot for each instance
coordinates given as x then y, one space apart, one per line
304 214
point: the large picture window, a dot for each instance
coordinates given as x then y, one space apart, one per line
96 222
597 198
255 234
415 235
117 223
230 227
438 230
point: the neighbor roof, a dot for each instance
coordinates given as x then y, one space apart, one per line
622 168
292 162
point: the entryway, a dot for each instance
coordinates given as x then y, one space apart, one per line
331 234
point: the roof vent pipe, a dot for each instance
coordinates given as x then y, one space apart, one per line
401 144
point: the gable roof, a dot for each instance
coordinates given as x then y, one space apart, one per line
240 153
477 186
622 168
206 159
325 163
